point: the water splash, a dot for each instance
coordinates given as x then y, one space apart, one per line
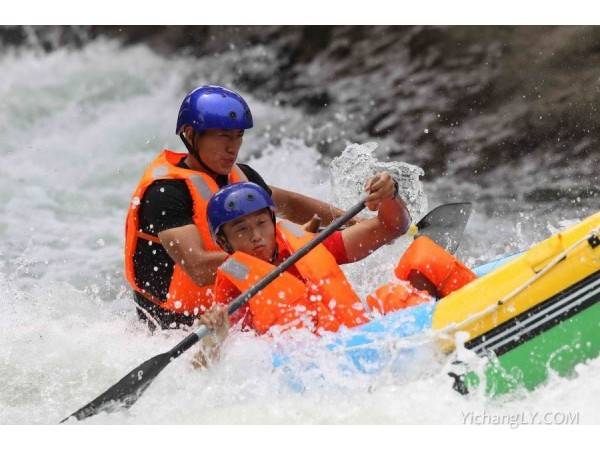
357 163
77 128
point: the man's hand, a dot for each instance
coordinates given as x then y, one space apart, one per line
379 187
312 226
217 321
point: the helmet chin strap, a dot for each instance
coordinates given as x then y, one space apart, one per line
276 251
275 255
192 151
224 243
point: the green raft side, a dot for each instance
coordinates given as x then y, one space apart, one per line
558 349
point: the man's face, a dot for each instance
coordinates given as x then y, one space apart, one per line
253 234
219 149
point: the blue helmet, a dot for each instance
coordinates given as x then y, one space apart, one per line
213 107
236 200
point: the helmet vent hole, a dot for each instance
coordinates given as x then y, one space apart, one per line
232 114
250 197
231 204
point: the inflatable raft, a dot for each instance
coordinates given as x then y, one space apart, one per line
538 313
525 316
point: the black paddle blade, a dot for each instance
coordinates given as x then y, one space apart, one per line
446 224
126 392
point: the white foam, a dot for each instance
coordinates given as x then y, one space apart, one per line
77 128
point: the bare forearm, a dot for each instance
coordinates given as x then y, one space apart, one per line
209 352
394 216
184 246
392 221
362 239
202 269
300 208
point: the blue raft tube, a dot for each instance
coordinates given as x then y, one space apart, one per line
365 349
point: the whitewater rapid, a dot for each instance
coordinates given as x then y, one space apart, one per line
77 127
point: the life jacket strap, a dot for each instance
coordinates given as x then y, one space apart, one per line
148 237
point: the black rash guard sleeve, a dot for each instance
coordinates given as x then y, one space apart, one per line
254 177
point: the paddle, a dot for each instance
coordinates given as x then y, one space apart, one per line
127 390
445 225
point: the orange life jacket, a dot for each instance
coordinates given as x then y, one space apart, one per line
322 300
184 296
290 302
441 268
396 295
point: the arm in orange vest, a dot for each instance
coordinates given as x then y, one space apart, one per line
300 208
392 220
184 246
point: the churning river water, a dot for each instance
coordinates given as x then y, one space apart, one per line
77 128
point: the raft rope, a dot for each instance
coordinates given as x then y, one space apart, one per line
593 236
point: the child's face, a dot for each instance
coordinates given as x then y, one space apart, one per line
253 234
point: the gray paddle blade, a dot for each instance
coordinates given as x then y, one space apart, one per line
126 392
446 224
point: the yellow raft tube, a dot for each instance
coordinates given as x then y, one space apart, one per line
538 274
